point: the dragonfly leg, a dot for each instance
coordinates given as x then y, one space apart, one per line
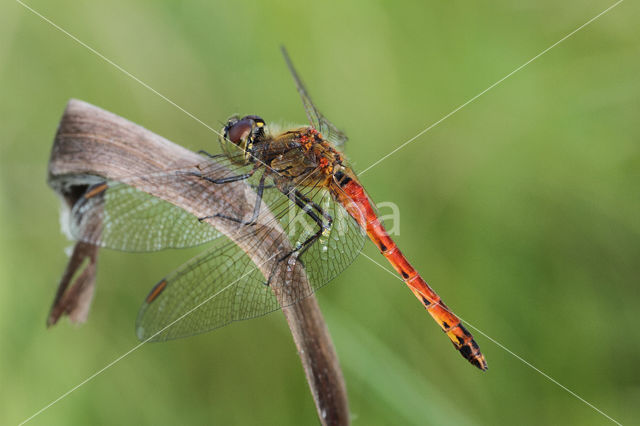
303 202
325 225
203 152
227 179
254 186
256 207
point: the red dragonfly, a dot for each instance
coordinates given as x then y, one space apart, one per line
302 184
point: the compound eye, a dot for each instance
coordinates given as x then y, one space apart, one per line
239 130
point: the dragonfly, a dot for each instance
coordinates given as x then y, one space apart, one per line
300 184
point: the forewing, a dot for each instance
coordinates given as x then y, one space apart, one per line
126 218
316 119
129 215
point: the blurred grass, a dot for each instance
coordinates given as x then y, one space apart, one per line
522 209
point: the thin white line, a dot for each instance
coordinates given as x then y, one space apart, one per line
109 61
117 66
64 395
81 383
491 87
551 379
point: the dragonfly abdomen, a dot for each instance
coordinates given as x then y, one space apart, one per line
359 206
460 337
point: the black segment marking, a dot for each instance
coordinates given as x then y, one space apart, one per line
465 331
466 351
341 178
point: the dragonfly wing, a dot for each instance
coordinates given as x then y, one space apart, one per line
128 215
224 284
211 290
122 217
316 119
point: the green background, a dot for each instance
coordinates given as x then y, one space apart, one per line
521 210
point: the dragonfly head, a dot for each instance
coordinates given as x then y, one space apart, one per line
240 134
